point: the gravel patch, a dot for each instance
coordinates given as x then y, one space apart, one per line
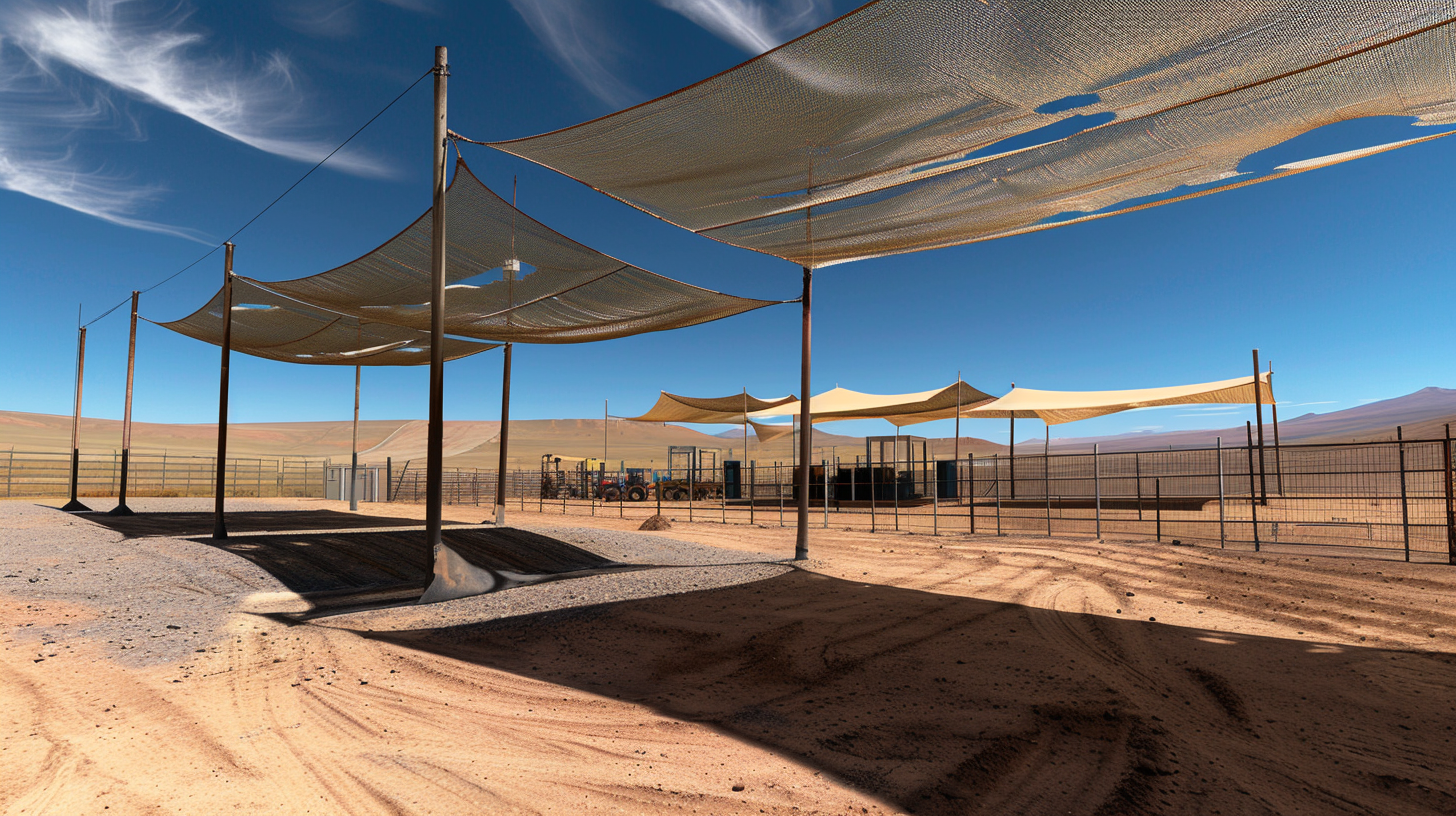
160 600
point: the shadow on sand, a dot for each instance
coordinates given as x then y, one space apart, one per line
943 704
347 571
182 525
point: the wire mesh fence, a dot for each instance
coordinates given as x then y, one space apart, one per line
1377 499
38 474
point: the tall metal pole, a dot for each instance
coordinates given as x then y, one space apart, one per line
121 509
75 505
1450 497
505 435
957 456
806 426
1011 452
354 448
1259 415
1278 458
1253 502
435 440
219 523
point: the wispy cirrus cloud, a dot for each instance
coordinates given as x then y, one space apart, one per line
254 102
40 119
582 43
753 25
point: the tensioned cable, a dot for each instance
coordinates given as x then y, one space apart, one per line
274 201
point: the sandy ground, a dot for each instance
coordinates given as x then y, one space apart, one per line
890 674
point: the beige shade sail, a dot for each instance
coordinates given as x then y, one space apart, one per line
268 325
1057 407
908 125
899 409
768 433
565 293
708 410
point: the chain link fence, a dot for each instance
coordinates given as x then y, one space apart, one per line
37 474
1376 499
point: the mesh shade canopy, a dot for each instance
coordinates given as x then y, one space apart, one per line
898 409
274 327
1057 407
708 410
914 124
569 293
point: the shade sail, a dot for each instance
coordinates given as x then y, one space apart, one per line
768 433
708 410
268 325
898 409
1057 407
914 124
568 292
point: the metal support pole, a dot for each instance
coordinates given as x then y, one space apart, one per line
1259 415
871 468
1158 506
1253 499
1097 485
971 488
1450 498
1046 475
806 424
1404 503
934 504
354 447
1011 453
75 505
505 437
998 495
1221 537
957 454
1278 457
1137 470
435 438
121 509
895 475
219 522
825 467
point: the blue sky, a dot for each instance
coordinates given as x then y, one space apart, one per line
135 135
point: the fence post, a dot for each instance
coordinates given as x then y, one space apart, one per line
934 503
1218 441
1158 506
871 468
1253 487
693 485
971 488
998 498
779 485
1404 504
1097 486
1450 498
1137 468
1046 481
10 471
825 465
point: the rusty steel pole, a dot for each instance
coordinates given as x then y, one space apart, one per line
75 505
121 509
806 425
354 448
1259 416
219 523
435 439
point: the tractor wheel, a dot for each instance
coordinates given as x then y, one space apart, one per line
611 494
636 493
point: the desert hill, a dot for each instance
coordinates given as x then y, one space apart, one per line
1422 414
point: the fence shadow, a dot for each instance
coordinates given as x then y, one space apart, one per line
943 704
346 571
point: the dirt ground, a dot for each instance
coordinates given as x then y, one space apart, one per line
891 673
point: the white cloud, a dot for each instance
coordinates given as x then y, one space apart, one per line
38 121
581 43
753 25
255 104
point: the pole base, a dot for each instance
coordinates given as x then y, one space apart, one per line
75 506
121 510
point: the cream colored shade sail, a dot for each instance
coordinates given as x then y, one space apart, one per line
566 293
898 409
707 410
1057 407
768 433
268 325
914 124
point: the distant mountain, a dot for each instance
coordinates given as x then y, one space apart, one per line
1421 415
